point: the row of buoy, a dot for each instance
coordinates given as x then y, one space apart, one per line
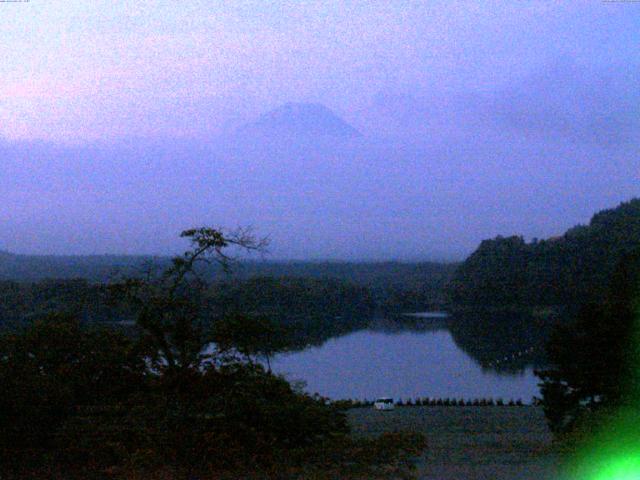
435 402
512 357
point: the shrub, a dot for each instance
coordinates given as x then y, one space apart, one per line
50 370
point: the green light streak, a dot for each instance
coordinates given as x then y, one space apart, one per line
620 469
613 449
613 452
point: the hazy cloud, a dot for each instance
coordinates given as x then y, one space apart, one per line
122 119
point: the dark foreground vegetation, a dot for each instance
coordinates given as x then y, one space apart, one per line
594 359
119 379
82 401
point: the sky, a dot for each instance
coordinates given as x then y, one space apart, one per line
477 119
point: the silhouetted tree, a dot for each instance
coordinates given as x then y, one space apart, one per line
594 359
171 308
251 336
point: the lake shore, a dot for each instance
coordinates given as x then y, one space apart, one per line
471 443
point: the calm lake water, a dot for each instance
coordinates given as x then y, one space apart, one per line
400 364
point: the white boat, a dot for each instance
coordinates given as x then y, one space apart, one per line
384 403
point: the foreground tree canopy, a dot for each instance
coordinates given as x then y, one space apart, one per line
594 359
81 401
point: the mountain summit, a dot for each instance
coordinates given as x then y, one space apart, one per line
305 119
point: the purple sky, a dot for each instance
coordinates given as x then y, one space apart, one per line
478 119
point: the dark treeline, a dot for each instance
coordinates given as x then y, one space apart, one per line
94 268
508 272
306 310
292 297
381 277
394 286
313 300
23 302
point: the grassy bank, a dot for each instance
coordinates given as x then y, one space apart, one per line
470 443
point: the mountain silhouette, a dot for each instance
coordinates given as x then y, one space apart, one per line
300 119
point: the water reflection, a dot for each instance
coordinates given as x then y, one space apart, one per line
421 356
502 342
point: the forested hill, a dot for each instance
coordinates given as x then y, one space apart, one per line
101 268
394 286
94 268
569 270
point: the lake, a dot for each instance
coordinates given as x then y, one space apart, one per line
402 363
